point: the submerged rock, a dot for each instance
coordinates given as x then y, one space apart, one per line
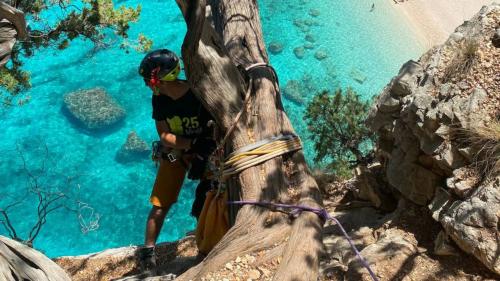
275 47
94 108
299 52
292 92
357 75
133 147
321 55
314 12
310 38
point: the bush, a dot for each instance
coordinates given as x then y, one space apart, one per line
337 126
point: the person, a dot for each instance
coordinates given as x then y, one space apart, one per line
185 142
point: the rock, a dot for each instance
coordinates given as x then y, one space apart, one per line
443 245
321 55
254 274
457 36
473 224
495 40
389 104
406 81
275 47
357 75
299 52
367 188
133 147
440 203
292 91
309 45
20 262
314 12
94 108
463 181
310 38
389 254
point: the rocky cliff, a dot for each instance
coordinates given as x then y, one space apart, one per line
438 135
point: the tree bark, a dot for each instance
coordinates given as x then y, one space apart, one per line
222 40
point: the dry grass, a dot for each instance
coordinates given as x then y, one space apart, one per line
485 142
462 62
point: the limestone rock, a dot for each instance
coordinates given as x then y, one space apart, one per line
310 38
292 91
309 45
275 47
20 262
443 246
94 108
440 203
320 55
495 40
299 52
473 224
406 81
463 181
133 147
389 254
314 12
357 75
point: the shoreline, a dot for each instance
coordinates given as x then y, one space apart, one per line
434 20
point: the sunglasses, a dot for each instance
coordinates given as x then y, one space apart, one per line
172 75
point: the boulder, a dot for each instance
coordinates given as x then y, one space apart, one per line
309 45
391 251
406 81
443 246
20 262
133 147
310 38
292 91
357 75
314 12
321 55
463 181
473 224
94 108
275 47
299 52
495 40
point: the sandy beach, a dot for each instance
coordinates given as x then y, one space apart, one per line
434 20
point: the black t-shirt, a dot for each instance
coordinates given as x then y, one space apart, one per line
185 116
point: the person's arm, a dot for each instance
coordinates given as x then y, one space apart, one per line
170 140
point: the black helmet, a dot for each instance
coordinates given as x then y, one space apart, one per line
159 63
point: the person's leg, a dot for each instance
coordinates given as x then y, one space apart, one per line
154 223
168 183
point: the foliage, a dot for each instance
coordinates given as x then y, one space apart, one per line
485 142
88 19
337 127
463 60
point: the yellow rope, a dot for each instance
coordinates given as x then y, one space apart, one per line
241 161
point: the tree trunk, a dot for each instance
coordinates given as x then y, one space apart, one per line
222 40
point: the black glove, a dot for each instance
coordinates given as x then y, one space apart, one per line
203 146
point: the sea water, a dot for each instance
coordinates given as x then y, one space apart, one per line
42 148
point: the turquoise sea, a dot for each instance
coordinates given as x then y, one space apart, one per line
39 139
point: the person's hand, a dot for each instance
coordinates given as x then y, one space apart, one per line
203 146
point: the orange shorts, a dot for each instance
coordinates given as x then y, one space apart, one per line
168 183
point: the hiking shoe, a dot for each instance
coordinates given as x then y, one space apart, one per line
147 259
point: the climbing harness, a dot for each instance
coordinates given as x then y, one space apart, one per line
322 213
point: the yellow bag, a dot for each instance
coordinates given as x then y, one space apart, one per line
213 222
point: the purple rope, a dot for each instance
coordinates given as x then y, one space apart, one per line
322 213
